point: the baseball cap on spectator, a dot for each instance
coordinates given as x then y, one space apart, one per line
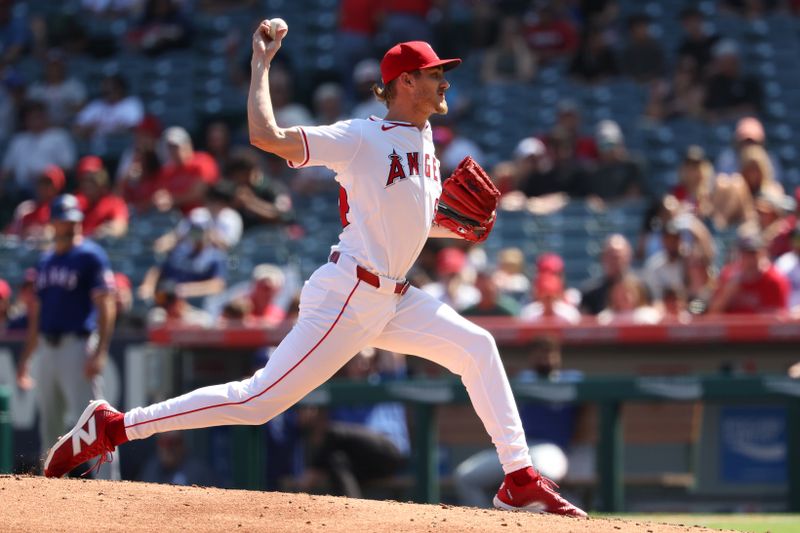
89 165
65 208
550 263
177 136
270 273
5 290
750 129
549 284
367 70
530 146
411 56
150 125
450 261
694 154
608 134
55 175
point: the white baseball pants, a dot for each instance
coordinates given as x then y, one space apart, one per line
339 316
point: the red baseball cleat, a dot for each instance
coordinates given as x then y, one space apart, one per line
85 441
534 493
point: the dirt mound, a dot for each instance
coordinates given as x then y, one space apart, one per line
39 504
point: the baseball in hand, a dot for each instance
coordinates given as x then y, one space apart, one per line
276 25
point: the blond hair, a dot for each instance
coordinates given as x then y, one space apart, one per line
387 93
756 154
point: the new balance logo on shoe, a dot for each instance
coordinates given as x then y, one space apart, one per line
88 437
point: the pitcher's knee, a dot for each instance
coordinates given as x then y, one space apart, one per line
482 347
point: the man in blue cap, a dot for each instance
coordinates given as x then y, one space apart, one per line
69 325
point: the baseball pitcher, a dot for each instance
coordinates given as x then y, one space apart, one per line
390 194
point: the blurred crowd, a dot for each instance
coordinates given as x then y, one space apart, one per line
57 130
55 134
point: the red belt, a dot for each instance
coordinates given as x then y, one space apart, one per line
372 279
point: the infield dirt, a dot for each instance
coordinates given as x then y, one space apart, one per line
30 503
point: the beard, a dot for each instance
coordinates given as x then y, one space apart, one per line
435 104
441 106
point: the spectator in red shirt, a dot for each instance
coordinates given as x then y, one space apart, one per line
187 174
750 284
550 35
268 280
31 217
104 214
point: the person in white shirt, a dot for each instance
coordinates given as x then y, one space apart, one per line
549 304
114 112
33 149
453 287
628 302
665 268
391 184
224 223
62 95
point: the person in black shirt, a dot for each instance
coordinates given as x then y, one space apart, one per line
697 42
258 198
616 261
729 92
595 60
643 57
618 175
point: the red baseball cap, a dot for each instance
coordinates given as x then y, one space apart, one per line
5 290
450 261
150 125
89 164
551 263
55 175
410 56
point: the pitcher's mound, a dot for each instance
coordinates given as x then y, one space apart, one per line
39 504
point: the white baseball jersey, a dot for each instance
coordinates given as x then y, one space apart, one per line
390 185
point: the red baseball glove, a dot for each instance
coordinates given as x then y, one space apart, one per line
468 204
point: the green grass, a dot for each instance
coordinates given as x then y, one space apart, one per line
755 523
